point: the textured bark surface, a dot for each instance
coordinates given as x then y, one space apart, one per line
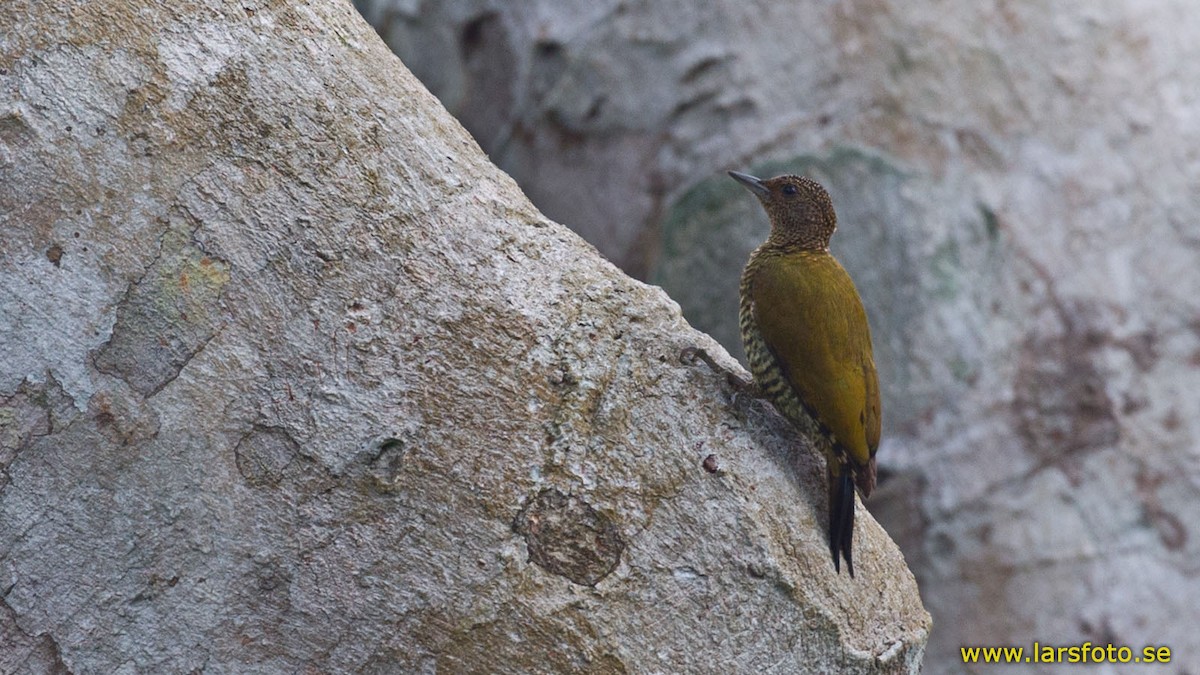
293 379
1017 188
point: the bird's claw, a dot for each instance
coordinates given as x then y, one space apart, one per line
688 355
741 385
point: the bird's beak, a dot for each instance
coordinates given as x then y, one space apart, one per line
753 184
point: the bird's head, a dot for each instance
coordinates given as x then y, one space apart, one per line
800 210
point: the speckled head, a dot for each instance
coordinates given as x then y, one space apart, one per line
800 210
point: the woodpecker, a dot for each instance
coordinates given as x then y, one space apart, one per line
808 342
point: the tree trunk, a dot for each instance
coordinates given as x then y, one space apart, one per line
292 378
1016 188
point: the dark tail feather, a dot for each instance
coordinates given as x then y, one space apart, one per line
848 517
834 519
841 518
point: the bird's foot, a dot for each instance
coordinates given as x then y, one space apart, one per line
741 385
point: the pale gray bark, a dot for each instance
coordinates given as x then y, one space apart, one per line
293 378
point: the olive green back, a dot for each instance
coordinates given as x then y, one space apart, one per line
806 309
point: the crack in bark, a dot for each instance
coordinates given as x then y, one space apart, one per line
167 316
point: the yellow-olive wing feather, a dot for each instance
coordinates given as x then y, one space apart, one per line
808 312
873 418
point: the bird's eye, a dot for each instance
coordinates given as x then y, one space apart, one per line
789 189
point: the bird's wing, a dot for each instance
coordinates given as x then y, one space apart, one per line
809 314
872 418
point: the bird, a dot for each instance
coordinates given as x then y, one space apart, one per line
808 342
